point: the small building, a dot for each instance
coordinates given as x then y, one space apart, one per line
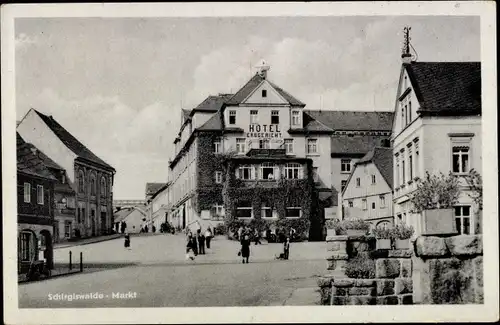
437 128
158 207
88 175
35 207
133 217
368 193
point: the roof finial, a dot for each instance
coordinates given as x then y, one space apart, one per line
263 68
405 55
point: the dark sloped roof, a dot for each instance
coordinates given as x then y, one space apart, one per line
355 145
447 86
382 159
71 142
354 120
121 214
253 83
152 188
160 189
213 103
28 162
45 159
214 123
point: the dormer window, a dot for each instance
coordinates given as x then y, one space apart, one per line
264 93
232 117
295 118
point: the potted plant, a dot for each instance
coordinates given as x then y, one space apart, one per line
354 227
402 234
383 237
434 199
331 227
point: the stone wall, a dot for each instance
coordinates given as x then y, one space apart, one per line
448 270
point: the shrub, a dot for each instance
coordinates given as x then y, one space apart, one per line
220 229
341 226
233 225
382 233
301 225
402 232
331 223
258 224
360 267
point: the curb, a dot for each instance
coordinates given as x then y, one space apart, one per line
87 243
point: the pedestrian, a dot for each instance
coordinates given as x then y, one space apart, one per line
201 242
153 229
240 232
292 233
127 241
146 228
245 248
208 236
190 247
286 248
257 237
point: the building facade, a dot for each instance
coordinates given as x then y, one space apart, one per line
437 128
257 139
368 193
89 176
158 207
35 208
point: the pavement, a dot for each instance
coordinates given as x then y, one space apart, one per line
155 273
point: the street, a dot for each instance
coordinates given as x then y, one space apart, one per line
159 276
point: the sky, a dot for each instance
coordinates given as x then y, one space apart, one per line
118 84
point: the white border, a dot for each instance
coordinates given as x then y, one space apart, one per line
486 312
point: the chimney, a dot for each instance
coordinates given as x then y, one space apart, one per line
405 55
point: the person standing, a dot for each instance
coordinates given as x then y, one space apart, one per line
208 236
286 248
245 248
240 232
201 242
257 237
127 241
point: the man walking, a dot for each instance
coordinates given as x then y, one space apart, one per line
208 236
201 242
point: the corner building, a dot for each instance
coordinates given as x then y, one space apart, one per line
253 154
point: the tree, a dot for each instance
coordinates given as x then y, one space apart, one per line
475 182
435 192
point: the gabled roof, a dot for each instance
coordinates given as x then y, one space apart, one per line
214 123
160 190
354 120
71 142
28 161
121 214
253 83
382 159
355 145
213 103
447 86
152 188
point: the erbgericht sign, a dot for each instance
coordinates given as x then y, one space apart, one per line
264 131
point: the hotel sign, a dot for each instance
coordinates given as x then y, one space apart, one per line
264 131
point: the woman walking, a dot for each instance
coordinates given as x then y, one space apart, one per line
208 237
245 248
127 241
190 247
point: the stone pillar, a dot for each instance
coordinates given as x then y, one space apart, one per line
394 278
337 252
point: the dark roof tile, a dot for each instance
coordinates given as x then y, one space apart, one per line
29 162
354 120
382 159
355 145
447 86
152 188
71 142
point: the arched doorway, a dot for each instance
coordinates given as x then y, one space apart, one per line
47 248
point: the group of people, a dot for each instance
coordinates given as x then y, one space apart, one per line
196 243
244 236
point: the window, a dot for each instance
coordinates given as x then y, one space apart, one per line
92 185
103 186
245 172
417 158
460 159
358 182
293 171
364 204
267 210
293 212
275 117
345 165
78 216
218 145
403 171
27 192
267 171
409 111
218 177
462 219
264 93
289 145
373 179
264 144
244 210
373 205
343 184
254 116
406 114
351 204
67 229
315 174
217 212
26 245
39 194
295 118
382 201
410 166
240 145
402 115
312 145
232 117
396 181
63 178
81 182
